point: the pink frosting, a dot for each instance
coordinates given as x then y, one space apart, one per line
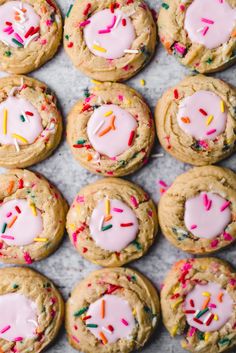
220 304
210 22
26 227
14 26
124 226
117 314
117 140
206 215
18 319
207 123
30 129
108 31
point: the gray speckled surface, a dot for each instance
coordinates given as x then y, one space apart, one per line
65 267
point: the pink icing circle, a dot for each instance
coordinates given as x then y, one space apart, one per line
26 227
116 141
30 129
18 317
117 37
118 314
206 216
198 126
223 309
210 22
124 226
11 28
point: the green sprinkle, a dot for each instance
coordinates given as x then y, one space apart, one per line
134 278
67 36
15 286
224 341
81 311
137 244
201 313
22 118
17 43
200 335
109 226
92 325
4 227
165 5
68 12
7 53
209 60
80 142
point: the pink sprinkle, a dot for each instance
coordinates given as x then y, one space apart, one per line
75 339
182 7
227 236
18 38
11 31
5 329
43 41
134 201
213 306
232 281
110 173
113 23
115 209
210 132
9 214
209 205
7 237
204 32
162 183
205 200
103 31
80 199
179 48
74 236
7 29
27 258
84 23
206 20
214 243
121 98
194 226
192 331
150 213
224 206
18 339
203 143
124 322
113 158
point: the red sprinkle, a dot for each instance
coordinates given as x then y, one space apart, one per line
20 184
131 137
8 23
87 317
86 11
192 303
126 224
110 328
29 113
52 5
17 209
210 320
28 33
203 112
176 94
190 311
84 250
198 321
70 44
112 288
123 22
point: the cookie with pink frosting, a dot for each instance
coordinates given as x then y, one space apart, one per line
30 33
32 217
32 310
196 120
198 212
198 303
112 310
109 41
112 222
204 37
111 132
31 124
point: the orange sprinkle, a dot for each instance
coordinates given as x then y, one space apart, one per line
23 10
103 309
112 122
89 157
233 34
43 9
17 18
206 302
168 46
10 187
105 131
106 219
103 338
1 350
12 222
186 120
220 296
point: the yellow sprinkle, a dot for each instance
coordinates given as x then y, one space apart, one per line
179 301
96 82
229 141
41 240
33 209
174 330
107 207
206 336
184 344
216 317
206 294
134 312
19 137
128 102
142 82
209 120
222 107
108 113
5 114
96 47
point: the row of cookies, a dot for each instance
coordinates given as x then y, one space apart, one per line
111 131
112 221
112 41
117 309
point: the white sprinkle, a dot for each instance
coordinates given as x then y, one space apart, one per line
18 10
208 316
117 21
101 223
131 51
16 145
99 127
200 29
157 155
5 42
30 39
106 330
25 116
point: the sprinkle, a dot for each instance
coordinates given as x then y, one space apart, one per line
225 205
80 312
19 137
192 303
186 120
194 226
181 49
220 296
204 32
124 322
10 186
105 131
108 113
16 145
192 331
210 320
202 312
4 227
132 51
109 226
107 218
104 31
101 223
190 311
75 339
174 330
206 336
17 43
197 320
18 38
98 127
119 210
20 184
203 112
41 240
134 201
206 294
84 23
12 222
86 11
209 120
68 12
213 306
92 325
29 32
110 328
206 20
33 209
126 224
31 39
113 122
222 107
86 318
17 209
5 114
131 137
227 236
176 94
216 318
142 82
123 21
165 6
5 329
103 338
98 48
103 311
10 237
214 243
18 339
107 206
210 132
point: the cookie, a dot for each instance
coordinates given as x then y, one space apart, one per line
112 222
30 33
31 124
198 212
196 120
204 37
198 303
112 310
107 40
111 132
32 217
32 310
